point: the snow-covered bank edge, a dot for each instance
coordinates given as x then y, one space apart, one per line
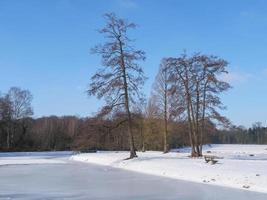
231 171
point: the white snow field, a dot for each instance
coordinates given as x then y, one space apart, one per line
242 166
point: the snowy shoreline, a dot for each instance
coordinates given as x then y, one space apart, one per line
242 166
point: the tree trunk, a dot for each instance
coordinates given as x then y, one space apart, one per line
131 139
166 148
193 152
143 140
197 122
127 106
8 139
203 117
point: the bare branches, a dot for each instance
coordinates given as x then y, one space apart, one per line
160 95
120 82
197 79
15 107
20 102
117 54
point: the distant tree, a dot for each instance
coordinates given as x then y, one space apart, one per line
21 102
5 108
257 127
15 107
121 79
21 109
152 126
6 118
139 118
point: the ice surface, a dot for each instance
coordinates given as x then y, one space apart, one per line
25 158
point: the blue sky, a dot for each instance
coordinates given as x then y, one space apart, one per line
45 45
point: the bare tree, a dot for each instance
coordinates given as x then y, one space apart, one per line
139 118
21 109
209 87
257 126
198 77
153 126
121 79
21 102
5 108
180 78
6 117
15 106
160 93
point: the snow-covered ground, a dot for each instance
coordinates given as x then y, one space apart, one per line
242 166
26 158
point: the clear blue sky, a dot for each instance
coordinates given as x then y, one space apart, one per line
45 45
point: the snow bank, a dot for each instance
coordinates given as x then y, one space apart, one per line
243 166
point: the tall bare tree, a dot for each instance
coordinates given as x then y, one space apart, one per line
120 80
160 93
198 76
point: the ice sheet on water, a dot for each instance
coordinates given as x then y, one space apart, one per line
41 153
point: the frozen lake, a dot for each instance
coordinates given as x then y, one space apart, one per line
66 179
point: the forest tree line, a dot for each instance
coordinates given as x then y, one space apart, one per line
20 132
